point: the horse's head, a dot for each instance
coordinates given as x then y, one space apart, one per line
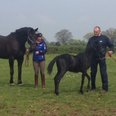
89 50
26 34
31 36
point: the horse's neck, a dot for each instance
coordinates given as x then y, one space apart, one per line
21 42
89 55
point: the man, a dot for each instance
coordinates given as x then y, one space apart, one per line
99 43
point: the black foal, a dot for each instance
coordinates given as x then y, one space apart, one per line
66 62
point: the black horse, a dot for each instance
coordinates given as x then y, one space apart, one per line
66 62
13 47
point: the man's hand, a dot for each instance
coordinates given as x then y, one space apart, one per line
110 53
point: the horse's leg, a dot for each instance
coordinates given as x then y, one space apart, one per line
88 85
57 79
11 64
20 61
56 84
82 82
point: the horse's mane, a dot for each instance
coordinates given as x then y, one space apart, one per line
2 36
22 29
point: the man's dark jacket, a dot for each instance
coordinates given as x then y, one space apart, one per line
99 45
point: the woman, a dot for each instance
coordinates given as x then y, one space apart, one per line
39 59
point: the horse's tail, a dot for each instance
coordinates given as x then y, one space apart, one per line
51 64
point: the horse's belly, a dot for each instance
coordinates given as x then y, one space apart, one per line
4 56
75 70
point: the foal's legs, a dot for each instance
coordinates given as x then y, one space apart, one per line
82 82
57 79
11 64
20 61
88 85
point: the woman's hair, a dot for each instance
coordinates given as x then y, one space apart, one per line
39 35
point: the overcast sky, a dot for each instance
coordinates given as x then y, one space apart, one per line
51 16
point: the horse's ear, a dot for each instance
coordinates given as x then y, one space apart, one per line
36 29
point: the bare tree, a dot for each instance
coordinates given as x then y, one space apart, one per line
63 36
88 35
111 33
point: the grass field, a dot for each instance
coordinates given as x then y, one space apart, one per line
25 100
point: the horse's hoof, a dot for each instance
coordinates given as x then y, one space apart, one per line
88 90
20 84
12 84
81 92
57 93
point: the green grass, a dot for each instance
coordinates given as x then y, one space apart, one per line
25 100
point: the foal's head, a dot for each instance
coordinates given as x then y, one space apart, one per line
89 49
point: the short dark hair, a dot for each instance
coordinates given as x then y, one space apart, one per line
97 27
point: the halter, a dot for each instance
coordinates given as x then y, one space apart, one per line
29 39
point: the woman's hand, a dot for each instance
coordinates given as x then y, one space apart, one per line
37 52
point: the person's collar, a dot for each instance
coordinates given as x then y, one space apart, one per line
97 35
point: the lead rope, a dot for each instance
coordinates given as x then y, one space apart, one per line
29 39
111 56
27 57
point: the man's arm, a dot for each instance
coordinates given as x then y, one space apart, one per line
111 47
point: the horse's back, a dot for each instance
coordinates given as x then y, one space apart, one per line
75 65
83 60
7 46
3 44
67 62
65 58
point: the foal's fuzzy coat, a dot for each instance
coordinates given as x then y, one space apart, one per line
65 62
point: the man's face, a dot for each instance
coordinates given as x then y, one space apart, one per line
97 31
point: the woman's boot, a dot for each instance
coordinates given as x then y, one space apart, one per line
36 82
43 81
